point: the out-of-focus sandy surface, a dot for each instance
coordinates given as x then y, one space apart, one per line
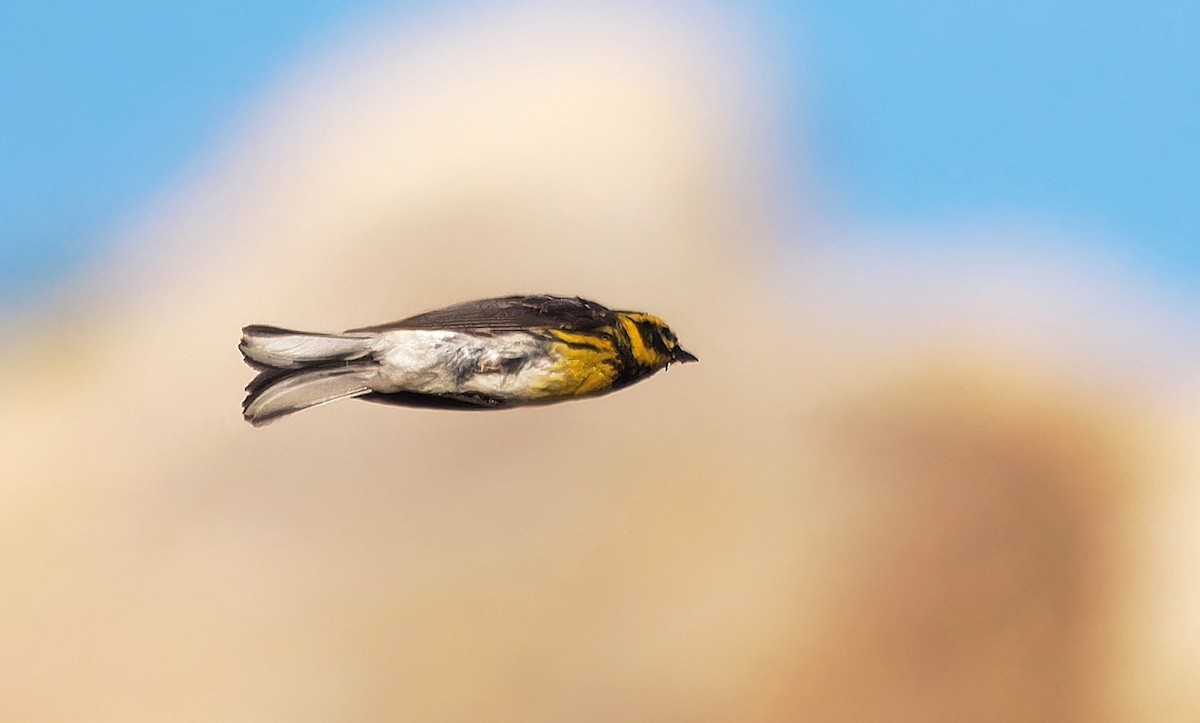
854 508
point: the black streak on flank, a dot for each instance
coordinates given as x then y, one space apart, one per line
580 344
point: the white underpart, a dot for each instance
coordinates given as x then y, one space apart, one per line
432 362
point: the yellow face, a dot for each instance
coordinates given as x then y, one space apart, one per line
652 342
601 360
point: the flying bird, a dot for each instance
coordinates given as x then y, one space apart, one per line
486 354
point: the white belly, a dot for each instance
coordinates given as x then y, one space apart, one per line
446 362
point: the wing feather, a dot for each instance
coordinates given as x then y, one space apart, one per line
437 401
507 313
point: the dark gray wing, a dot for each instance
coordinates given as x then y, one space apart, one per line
508 313
465 402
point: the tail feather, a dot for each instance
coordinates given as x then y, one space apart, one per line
275 348
274 394
298 370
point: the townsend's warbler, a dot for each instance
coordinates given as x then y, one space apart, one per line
487 354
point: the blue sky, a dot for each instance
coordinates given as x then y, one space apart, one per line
1082 116
103 103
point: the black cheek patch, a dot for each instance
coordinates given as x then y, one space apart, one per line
652 336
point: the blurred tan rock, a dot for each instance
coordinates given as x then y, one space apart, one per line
810 524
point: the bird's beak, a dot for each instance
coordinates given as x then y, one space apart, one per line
683 357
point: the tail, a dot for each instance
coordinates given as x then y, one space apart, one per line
298 370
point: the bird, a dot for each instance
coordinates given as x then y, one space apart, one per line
486 354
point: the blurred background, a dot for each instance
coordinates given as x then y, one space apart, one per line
938 462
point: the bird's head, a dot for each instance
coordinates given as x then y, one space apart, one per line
652 343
